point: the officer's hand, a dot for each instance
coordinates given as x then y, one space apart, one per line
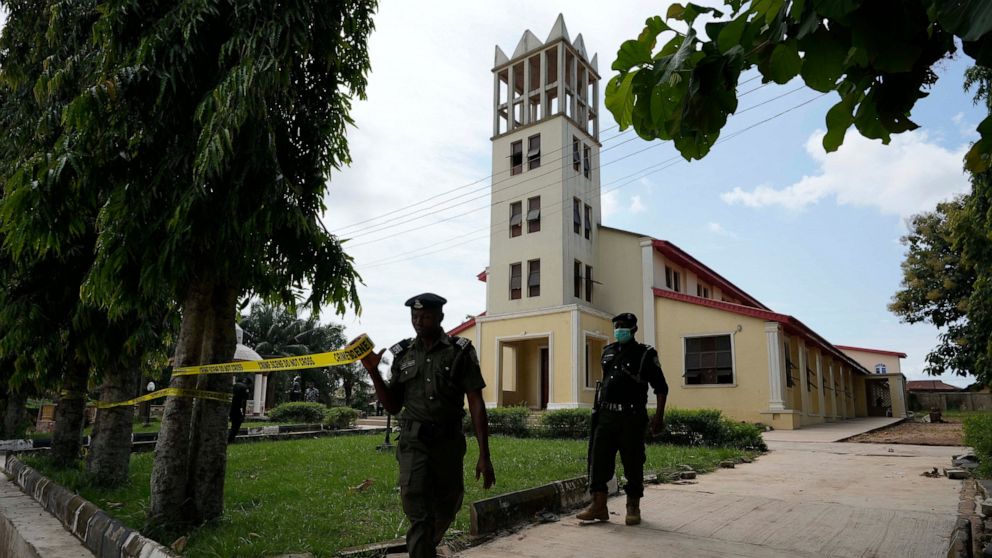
484 468
371 361
657 425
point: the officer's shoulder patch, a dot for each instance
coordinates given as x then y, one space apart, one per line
400 347
462 342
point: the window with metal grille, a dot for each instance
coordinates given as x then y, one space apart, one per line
516 157
588 221
516 219
709 360
515 270
586 160
534 214
534 278
534 152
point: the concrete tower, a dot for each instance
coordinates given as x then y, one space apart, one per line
546 190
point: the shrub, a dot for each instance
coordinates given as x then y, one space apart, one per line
340 417
509 421
708 427
566 423
298 411
978 434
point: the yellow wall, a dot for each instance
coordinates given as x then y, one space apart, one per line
620 273
869 360
743 401
597 331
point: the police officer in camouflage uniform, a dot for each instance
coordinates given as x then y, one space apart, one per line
629 368
431 376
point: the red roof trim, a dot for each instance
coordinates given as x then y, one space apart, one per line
683 258
482 276
789 323
875 351
464 325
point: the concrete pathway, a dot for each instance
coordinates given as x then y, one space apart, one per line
831 431
28 531
804 498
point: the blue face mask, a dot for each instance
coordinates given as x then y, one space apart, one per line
623 334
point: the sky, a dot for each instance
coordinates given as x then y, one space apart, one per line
809 234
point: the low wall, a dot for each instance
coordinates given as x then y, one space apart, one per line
103 535
960 401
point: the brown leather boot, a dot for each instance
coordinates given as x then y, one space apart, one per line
633 511
597 510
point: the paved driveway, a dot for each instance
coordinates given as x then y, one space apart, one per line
812 498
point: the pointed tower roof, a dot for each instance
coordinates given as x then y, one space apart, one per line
580 46
500 57
558 30
527 43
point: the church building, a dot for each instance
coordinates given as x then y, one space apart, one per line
557 275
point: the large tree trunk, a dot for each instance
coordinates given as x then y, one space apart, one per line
110 445
208 446
169 506
66 439
15 415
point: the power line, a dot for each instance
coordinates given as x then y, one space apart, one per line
556 207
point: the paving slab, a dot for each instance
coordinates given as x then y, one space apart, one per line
802 499
831 431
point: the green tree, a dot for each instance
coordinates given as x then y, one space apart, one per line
215 125
937 285
878 56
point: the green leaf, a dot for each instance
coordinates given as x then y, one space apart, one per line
867 121
620 98
767 9
784 63
631 53
836 9
675 11
839 119
653 27
690 12
968 19
730 35
823 64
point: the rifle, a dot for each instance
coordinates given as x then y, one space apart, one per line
593 420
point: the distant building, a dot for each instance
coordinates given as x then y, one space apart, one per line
556 276
930 386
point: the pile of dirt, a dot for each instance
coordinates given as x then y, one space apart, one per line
916 433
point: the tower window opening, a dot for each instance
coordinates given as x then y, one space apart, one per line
535 73
577 215
569 102
534 152
588 222
516 226
534 278
534 214
518 113
517 157
576 154
534 106
515 269
586 160
551 59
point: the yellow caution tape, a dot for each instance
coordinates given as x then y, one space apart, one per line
168 392
354 352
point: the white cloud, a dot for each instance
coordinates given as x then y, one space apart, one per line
609 204
717 229
958 118
909 175
636 206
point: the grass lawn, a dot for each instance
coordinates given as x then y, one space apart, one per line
959 416
297 496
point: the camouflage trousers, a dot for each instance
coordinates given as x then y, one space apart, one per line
431 487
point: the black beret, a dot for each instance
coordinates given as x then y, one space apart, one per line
625 317
426 300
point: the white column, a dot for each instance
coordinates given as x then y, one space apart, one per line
510 97
803 378
526 97
573 83
544 84
776 375
647 283
819 383
578 350
495 104
258 395
843 394
595 105
561 77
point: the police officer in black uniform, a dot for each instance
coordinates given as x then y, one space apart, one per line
629 368
432 375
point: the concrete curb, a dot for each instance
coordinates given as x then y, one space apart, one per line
508 511
103 535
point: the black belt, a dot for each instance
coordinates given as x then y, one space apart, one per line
621 407
430 431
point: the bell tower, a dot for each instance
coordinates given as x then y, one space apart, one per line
545 201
